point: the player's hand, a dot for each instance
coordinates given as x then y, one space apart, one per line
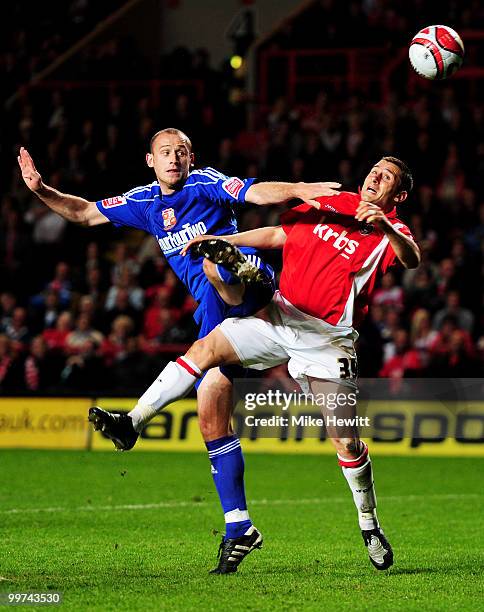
31 177
309 191
189 245
371 213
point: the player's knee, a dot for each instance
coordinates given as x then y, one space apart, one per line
203 353
348 447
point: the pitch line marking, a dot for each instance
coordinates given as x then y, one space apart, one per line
253 502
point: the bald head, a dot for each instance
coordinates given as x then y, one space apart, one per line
173 132
171 158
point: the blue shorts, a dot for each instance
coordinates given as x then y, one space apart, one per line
212 310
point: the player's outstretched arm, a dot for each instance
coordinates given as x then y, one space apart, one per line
260 238
72 208
266 193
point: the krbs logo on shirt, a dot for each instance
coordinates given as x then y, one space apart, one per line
169 219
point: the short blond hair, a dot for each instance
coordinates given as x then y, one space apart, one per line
173 132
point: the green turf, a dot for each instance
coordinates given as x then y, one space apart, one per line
106 557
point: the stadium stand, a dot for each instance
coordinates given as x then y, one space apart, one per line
99 311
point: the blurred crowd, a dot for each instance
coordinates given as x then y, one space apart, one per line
360 23
33 35
98 310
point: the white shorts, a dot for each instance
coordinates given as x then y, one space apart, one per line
309 346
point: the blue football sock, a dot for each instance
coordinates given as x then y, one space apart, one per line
228 474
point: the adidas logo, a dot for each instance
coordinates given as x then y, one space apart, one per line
213 470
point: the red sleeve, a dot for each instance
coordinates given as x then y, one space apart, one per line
389 258
291 217
345 203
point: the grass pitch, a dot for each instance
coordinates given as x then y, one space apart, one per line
137 531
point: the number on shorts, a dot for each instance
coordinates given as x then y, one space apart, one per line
347 367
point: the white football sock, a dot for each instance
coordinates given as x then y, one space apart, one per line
173 383
360 480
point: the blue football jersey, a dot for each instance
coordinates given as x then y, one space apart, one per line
204 205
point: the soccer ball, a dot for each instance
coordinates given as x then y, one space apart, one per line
436 52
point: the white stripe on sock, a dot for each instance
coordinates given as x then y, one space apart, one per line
225 452
225 448
236 516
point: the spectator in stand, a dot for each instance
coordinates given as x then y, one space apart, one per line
422 292
389 294
93 260
14 243
422 336
442 342
172 282
47 229
17 330
377 315
44 315
55 338
83 338
121 306
119 342
152 267
354 143
389 326
8 303
446 278
42 368
10 369
458 359
313 117
409 276
87 306
73 175
460 256
126 281
122 260
451 183
331 136
61 284
163 320
84 371
475 235
152 323
185 328
463 316
94 286
405 361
